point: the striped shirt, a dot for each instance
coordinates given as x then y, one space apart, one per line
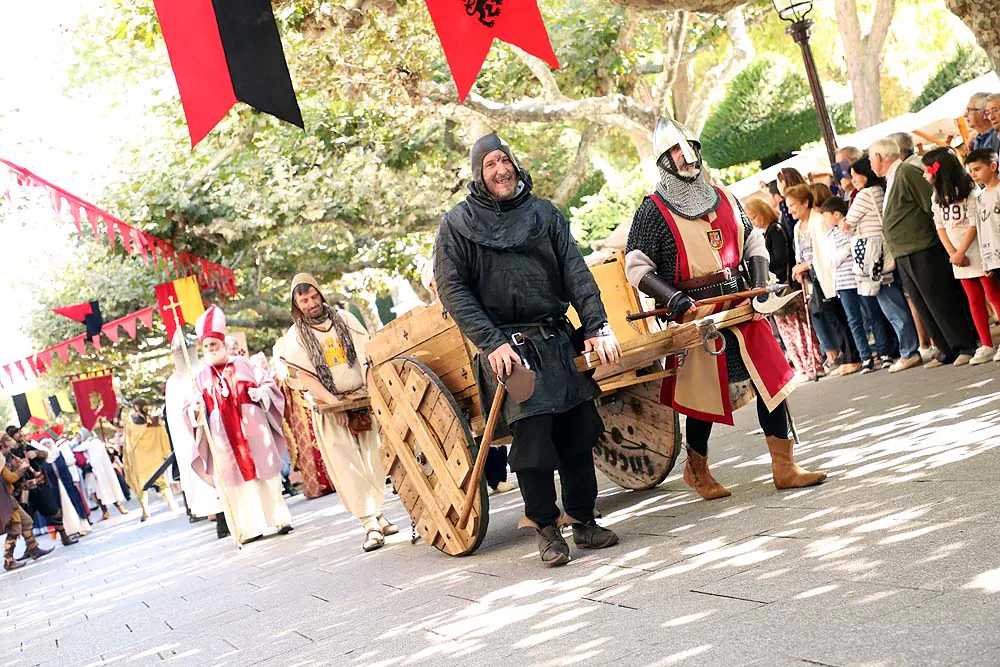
865 214
839 251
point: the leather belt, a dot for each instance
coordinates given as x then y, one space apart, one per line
722 288
706 281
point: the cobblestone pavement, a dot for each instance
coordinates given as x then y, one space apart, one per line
894 561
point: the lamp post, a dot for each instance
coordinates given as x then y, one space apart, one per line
795 12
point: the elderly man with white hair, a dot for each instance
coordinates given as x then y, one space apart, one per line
908 229
978 120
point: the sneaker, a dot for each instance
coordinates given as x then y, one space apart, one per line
867 366
928 353
962 360
886 361
552 548
983 355
591 536
907 363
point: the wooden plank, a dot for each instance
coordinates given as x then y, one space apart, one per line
619 298
415 474
630 379
424 437
459 379
353 401
409 333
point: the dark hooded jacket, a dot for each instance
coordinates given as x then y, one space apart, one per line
511 266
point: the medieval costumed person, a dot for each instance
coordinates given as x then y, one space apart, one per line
70 503
39 487
201 498
507 268
689 241
105 479
71 477
146 448
243 411
14 521
324 351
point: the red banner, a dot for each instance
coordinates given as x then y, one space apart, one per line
133 240
467 30
95 397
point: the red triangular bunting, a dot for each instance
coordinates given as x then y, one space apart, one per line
45 356
111 232
96 342
62 349
146 317
111 331
129 326
78 345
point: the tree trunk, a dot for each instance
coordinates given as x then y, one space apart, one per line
983 19
864 57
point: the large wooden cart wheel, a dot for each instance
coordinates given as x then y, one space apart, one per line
641 437
429 452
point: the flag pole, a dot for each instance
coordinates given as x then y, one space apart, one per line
220 486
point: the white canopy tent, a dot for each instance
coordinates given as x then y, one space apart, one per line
936 124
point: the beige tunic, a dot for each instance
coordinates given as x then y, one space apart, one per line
352 462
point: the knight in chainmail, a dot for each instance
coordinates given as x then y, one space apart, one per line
689 241
324 352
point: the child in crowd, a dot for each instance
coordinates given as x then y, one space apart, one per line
982 165
839 251
954 217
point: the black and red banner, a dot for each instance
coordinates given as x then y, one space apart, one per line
467 29
224 51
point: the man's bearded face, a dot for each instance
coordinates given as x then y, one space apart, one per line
499 175
215 351
310 303
684 168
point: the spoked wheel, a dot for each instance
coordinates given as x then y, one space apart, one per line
428 450
641 438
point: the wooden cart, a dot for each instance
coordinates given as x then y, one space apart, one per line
426 403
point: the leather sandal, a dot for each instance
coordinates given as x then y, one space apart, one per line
387 527
374 539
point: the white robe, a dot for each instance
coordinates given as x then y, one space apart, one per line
108 490
200 496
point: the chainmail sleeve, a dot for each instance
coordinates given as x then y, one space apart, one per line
651 236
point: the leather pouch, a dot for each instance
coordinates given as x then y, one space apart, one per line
359 421
520 383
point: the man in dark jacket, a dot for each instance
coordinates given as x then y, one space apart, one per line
908 229
507 268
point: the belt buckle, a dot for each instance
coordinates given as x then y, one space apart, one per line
518 338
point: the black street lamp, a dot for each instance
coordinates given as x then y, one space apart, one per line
795 12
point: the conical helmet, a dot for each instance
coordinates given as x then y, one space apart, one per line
670 133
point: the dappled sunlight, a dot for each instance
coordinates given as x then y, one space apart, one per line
988 582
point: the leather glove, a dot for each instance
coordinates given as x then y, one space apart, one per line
759 269
674 300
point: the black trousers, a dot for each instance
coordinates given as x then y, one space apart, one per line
774 424
566 432
496 466
940 301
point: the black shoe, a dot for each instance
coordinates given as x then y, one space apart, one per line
867 366
284 530
38 552
221 527
591 536
552 548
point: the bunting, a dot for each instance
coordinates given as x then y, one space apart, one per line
36 364
133 240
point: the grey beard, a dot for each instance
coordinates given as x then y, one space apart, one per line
689 200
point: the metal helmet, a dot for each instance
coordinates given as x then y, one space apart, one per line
670 133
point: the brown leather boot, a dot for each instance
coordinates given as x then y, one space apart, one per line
788 475
9 563
66 539
699 477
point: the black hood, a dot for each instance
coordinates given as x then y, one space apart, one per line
504 225
484 146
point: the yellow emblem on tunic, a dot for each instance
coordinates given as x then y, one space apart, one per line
334 352
715 239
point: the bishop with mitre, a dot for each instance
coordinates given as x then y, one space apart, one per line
244 409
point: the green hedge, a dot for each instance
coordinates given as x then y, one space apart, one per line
968 63
766 114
